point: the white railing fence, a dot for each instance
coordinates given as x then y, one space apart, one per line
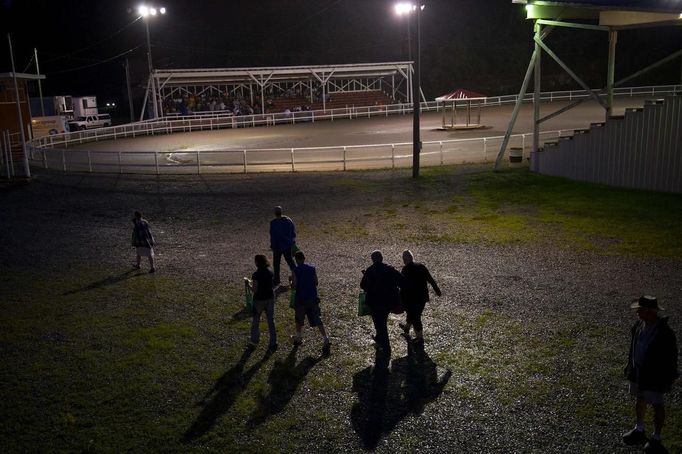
217 120
351 157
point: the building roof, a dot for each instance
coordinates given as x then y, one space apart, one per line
621 5
461 93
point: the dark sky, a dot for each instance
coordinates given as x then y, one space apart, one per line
482 45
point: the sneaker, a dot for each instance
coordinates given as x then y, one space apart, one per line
654 446
326 348
296 340
634 437
152 270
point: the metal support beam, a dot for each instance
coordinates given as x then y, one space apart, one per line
537 79
20 119
570 72
517 107
555 23
613 39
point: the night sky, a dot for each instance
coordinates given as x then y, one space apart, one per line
483 45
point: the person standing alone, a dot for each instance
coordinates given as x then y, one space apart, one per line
143 241
282 240
415 294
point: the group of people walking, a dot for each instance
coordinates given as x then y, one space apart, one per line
651 368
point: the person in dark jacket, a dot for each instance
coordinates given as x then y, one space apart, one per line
415 294
651 370
143 241
382 284
307 302
282 240
263 301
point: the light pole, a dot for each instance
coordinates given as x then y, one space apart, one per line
146 12
402 9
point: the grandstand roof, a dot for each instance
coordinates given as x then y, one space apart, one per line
621 5
279 73
461 93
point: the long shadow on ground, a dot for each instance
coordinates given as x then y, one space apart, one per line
386 397
284 380
224 394
111 280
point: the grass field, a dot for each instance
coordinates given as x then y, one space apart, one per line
524 352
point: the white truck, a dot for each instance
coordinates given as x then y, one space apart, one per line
90 122
48 126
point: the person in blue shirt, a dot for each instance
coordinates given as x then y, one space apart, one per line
307 302
282 240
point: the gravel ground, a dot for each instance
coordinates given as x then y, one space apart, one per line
523 350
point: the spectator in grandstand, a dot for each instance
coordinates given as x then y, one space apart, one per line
282 240
263 301
143 241
307 301
415 294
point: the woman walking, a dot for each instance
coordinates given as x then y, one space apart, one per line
143 241
263 300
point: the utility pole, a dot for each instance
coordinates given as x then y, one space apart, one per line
130 95
27 169
416 91
40 85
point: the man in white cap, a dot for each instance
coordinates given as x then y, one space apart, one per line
651 370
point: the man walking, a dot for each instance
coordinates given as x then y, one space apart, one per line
382 285
415 294
307 303
282 239
651 370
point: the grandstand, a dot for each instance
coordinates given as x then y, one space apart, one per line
243 91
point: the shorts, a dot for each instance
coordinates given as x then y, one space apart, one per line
145 251
650 397
310 309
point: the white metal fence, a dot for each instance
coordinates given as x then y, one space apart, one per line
351 157
43 151
217 120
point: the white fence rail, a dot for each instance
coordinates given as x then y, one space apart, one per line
217 120
351 157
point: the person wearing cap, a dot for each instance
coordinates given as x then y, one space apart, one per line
416 294
282 239
382 284
651 370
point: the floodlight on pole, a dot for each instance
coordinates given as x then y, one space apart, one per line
404 8
145 11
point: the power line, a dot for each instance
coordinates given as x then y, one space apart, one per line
97 63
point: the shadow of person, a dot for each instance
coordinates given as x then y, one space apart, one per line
386 397
110 280
223 394
284 379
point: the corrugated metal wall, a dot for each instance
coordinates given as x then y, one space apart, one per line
641 149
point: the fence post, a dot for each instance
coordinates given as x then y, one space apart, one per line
64 160
441 152
244 161
344 158
199 161
485 149
89 162
120 167
44 158
392 156
156 161
523 141
313 112
293 168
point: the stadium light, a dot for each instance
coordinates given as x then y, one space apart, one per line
402 9
145 11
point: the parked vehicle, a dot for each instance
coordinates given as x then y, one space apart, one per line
90 122
48 126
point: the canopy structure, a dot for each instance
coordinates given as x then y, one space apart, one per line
464 99
610 16
253 83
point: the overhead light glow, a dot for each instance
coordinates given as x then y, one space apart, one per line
403 8
143 11
152 11
162 10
